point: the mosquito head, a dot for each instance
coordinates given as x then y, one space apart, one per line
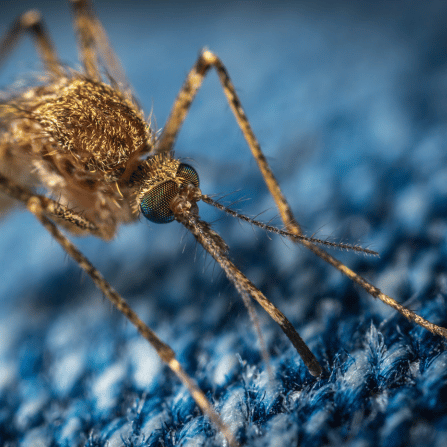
174 193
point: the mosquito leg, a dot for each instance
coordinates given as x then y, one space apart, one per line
49 206
166 142
37 205
179 111
31 22
94 45
211 242
166 354
375 292
181 107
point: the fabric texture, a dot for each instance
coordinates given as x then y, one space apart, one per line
350 107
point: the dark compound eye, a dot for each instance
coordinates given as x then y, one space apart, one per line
155 204
189 174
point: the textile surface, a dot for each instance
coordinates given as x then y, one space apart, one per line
350 107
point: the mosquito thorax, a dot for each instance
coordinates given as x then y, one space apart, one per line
95 123
167 187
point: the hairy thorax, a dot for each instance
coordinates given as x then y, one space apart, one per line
80 139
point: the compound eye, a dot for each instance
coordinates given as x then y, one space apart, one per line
155 204
188 174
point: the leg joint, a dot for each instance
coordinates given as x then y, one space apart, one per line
209 57
30 18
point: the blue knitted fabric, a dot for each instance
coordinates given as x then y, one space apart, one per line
350 106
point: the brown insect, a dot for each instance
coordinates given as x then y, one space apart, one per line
83 137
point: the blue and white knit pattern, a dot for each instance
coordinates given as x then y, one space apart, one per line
350 107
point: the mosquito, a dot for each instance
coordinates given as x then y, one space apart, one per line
82 136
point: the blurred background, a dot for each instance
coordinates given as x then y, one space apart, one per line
349 103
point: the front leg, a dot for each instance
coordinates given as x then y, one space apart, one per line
181 107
